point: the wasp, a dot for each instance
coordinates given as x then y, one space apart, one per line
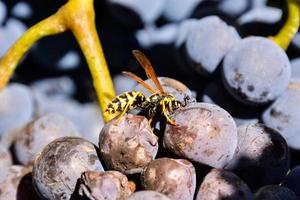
158 101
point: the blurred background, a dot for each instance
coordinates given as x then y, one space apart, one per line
153 26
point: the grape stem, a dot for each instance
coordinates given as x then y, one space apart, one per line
287 33
79 17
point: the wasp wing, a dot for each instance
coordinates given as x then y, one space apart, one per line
143 60
139 80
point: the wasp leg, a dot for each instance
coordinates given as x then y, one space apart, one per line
170 105
166 115
122 114
150 121
151 114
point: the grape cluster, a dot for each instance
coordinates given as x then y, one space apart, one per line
236 134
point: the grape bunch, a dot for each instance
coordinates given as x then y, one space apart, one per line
232 67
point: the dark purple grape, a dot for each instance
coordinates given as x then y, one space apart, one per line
148 195
272 192
37 134
256 70
61 163
129 145
109 185
204 133
208 42
220 184
284 114
262 156
176 178
292 180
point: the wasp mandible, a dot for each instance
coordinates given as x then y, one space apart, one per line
158 101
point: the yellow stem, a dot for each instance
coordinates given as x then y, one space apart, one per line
84 29
286 34
79 17
8 63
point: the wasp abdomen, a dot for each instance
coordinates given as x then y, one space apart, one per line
126 100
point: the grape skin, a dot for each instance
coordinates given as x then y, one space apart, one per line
262 156
256 71
284 114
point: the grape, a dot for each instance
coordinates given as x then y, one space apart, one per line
16 108
268 15
129 145
21 10
58 167
259 3
15 183
256 71
234 7
67 57
10 32
123 84
179 10
183 31
109 185
296 41
262 156
295 66
89 121
37 134
5 157
284 114
176 178
147 10
3 12
208 42
204 133
292 180
262 20
148 195
58 88
221 184
271 192
155 36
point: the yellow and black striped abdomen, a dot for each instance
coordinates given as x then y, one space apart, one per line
126 100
